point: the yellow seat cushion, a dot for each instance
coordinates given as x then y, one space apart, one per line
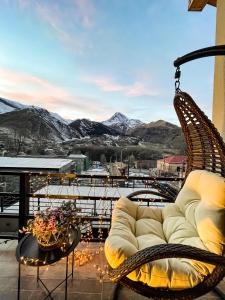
196 218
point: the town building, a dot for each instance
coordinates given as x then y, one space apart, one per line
145 164
175 164
80 162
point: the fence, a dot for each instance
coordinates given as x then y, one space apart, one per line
26 193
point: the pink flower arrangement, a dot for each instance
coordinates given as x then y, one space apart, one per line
49 225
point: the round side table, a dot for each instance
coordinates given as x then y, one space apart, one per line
29 253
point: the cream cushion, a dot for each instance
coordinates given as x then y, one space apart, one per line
197 218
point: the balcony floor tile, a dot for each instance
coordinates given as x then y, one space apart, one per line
85 284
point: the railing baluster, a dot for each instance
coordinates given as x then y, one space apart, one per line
95 212
2 204
38 208
23 201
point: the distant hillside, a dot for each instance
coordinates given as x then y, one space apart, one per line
159 132
9 105
34 123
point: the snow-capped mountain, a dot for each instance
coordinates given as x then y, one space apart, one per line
55 122
9 105
90 128
59 118
36 123
121 123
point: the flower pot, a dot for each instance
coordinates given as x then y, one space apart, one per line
50 241
50 245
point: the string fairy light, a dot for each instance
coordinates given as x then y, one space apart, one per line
86 255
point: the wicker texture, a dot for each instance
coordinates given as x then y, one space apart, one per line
205 150
165 251
163 192
205 147
165 189
168 251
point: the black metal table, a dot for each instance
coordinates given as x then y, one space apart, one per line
29 253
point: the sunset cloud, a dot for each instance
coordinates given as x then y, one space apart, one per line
34 90
136 89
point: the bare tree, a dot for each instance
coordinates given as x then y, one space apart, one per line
18 139
103 159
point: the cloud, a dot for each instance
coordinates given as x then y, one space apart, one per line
106 84
34 90
86 12
70 22
24 3
81 12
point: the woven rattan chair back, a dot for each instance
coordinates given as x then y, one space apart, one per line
205 147
205 150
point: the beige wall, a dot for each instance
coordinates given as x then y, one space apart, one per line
219 75
171 168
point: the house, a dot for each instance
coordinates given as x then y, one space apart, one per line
80 162
10 183
145 164
96 164
175 164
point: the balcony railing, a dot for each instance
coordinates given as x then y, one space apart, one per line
23 194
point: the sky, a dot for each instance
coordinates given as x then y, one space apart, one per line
92 58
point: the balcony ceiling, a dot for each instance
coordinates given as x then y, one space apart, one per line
198 5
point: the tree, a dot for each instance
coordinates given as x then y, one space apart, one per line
131 160
18 138
103 159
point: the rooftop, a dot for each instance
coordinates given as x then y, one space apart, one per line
33 163
77 156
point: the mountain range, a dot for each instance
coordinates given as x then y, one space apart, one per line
36 123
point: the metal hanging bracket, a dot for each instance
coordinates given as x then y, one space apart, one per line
204 52
177 79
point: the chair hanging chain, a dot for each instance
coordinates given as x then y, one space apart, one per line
177 81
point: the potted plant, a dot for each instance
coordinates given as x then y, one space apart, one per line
51 227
